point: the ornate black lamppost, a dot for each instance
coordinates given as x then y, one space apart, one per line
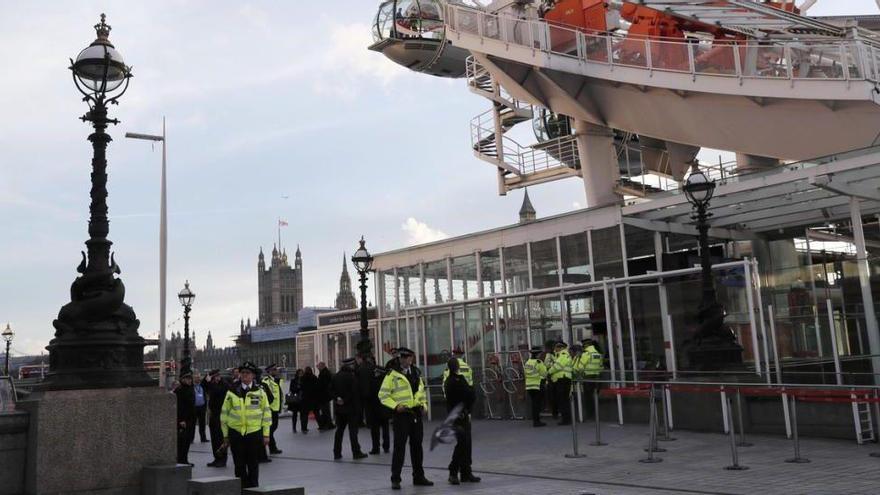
714 344
96 342
363 263
8 334
186 297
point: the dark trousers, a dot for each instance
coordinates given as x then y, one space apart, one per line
246 451
343 421
272 445
303 414
378 423
216 437
408 427
461 455
551 398
563 398
201 416
537 402
184 438
326 420
589 390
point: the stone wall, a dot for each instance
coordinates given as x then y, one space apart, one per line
13 451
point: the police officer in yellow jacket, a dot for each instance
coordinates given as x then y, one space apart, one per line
245 420
535 373
549 386
403 392
560 375
463 368
273 382
588 366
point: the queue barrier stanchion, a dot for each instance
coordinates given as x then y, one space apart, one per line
734 454
598 442
652 430
797 459
574 435
739 418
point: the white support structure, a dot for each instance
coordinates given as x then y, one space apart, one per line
865 284
666 320
756 351
598 163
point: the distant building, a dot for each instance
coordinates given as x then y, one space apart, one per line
268 344
280 288
345 297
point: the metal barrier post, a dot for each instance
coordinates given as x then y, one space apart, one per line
574 434
667 426
652 430
733 452
598 442
739 418
797 459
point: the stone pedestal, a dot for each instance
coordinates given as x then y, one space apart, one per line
97 441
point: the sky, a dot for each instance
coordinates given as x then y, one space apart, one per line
275 109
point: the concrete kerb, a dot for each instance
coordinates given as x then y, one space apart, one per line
275 490
165 479
215 485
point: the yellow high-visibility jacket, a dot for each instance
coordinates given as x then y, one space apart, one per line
562 366
245 412
463 370
275 388
395 390
589 363
535 372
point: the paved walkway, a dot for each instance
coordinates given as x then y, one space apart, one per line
514 459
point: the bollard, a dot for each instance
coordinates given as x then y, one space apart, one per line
574 434
797 459
666 419
652 431
598 442
739 417
733 452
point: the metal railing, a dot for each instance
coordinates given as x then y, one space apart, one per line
844 60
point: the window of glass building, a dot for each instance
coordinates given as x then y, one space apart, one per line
480 335
516 269
436 282
438 342
410 292
464 277
607 253
640 251
545 319
575 259
459 330
387 292
545 264
490 271
512 327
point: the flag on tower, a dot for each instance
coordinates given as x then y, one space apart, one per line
282 223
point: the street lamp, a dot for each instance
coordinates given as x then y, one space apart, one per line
186 297
8 334
96 342
363 263
714 344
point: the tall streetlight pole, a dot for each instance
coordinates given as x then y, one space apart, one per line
8 334
186 297
163 245
715 345
96 342
363 262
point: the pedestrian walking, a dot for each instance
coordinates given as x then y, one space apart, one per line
560 375
325 384
274 382
535 375
215 388
460 393
346 403
295 403
311 391
403 392
201 407
370 379
186 416
245 422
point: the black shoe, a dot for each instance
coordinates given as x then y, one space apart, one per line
205 441
453 479
422 482
470 478
374 452
539 424
275 452
360 455
395 485
564 423
387 450
305 432
337 457
191 464
263 461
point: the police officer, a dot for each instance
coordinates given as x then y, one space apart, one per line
463 368
560 375
216 389
346 402
550 392
245 420
588 366
186 415
535 373
459 392
273 383
403 392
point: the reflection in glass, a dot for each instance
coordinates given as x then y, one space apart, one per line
387 292
409 19
575 259
389 340
409 279
464 278
436 282
545 319
545 269
516 269
607 253
490 271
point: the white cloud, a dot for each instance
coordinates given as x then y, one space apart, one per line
420 233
